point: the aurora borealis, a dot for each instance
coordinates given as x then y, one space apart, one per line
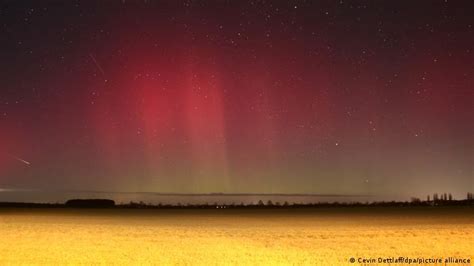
328 97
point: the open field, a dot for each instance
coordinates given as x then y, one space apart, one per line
250 237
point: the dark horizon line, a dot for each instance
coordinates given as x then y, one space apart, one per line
108 203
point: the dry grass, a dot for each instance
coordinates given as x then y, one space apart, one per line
265 237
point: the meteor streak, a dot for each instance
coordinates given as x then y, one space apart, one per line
97 64
19 159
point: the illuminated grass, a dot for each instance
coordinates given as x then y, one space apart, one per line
209 237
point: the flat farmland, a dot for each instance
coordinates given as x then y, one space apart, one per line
232 237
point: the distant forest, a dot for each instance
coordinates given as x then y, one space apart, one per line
431 201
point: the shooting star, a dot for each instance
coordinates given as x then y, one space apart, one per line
19 159
97 64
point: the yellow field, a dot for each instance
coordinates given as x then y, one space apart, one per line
249 237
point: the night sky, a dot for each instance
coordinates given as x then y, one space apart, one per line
328 97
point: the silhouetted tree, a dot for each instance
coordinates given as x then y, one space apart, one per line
269 203
450 197
286 204
415 200
428 198
260 203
